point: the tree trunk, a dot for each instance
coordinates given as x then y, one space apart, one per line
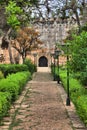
10 53
77 18
23 55
7 38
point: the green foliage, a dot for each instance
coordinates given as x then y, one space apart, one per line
1 75
31 66
12 12
12 68
82 107
10 88
20 79
5 102
14 83
83 28
79 56
78 94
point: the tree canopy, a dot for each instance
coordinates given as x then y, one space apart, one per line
26 39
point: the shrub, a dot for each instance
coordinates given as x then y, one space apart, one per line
79 56
14 83
5 102
1 75
81 105
9 86
20 79
12 68
31 66
78 94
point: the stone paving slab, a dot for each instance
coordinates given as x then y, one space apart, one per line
42 109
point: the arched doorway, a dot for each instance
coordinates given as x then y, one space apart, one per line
43 61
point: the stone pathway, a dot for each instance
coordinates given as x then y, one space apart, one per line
41 106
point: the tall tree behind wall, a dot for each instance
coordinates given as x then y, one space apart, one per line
15 12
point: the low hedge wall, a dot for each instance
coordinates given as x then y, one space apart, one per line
1 75
5 101
78 94
10 88
31 67
12 68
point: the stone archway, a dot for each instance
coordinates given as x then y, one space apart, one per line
43 61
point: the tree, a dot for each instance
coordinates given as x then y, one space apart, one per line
12 12
27 38
79 56
16 15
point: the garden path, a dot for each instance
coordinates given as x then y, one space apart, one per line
41 106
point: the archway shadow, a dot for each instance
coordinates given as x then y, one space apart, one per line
43 61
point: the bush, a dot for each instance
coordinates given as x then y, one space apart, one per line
14 83
20 79
31 66
79 56
1 75
78 94
12 68
81 105
10 88
5 102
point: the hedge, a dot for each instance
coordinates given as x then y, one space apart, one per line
10 88
1 75
12 68
78 94
5 102
31 67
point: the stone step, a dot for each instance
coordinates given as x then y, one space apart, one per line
43 69
42 82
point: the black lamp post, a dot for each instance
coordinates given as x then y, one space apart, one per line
54 67
57 52
51 59
68 93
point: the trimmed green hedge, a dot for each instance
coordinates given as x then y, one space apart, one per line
31 67
14 83
12 68
5 101
81 105
78 94
1 75
10 88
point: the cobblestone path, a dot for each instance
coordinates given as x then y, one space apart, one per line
41 107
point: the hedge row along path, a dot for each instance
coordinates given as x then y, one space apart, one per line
41 106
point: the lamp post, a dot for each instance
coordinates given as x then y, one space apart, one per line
68 93
51 60
54 67
57 52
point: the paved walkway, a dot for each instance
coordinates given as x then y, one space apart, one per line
41 106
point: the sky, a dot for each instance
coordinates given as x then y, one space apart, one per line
54 5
